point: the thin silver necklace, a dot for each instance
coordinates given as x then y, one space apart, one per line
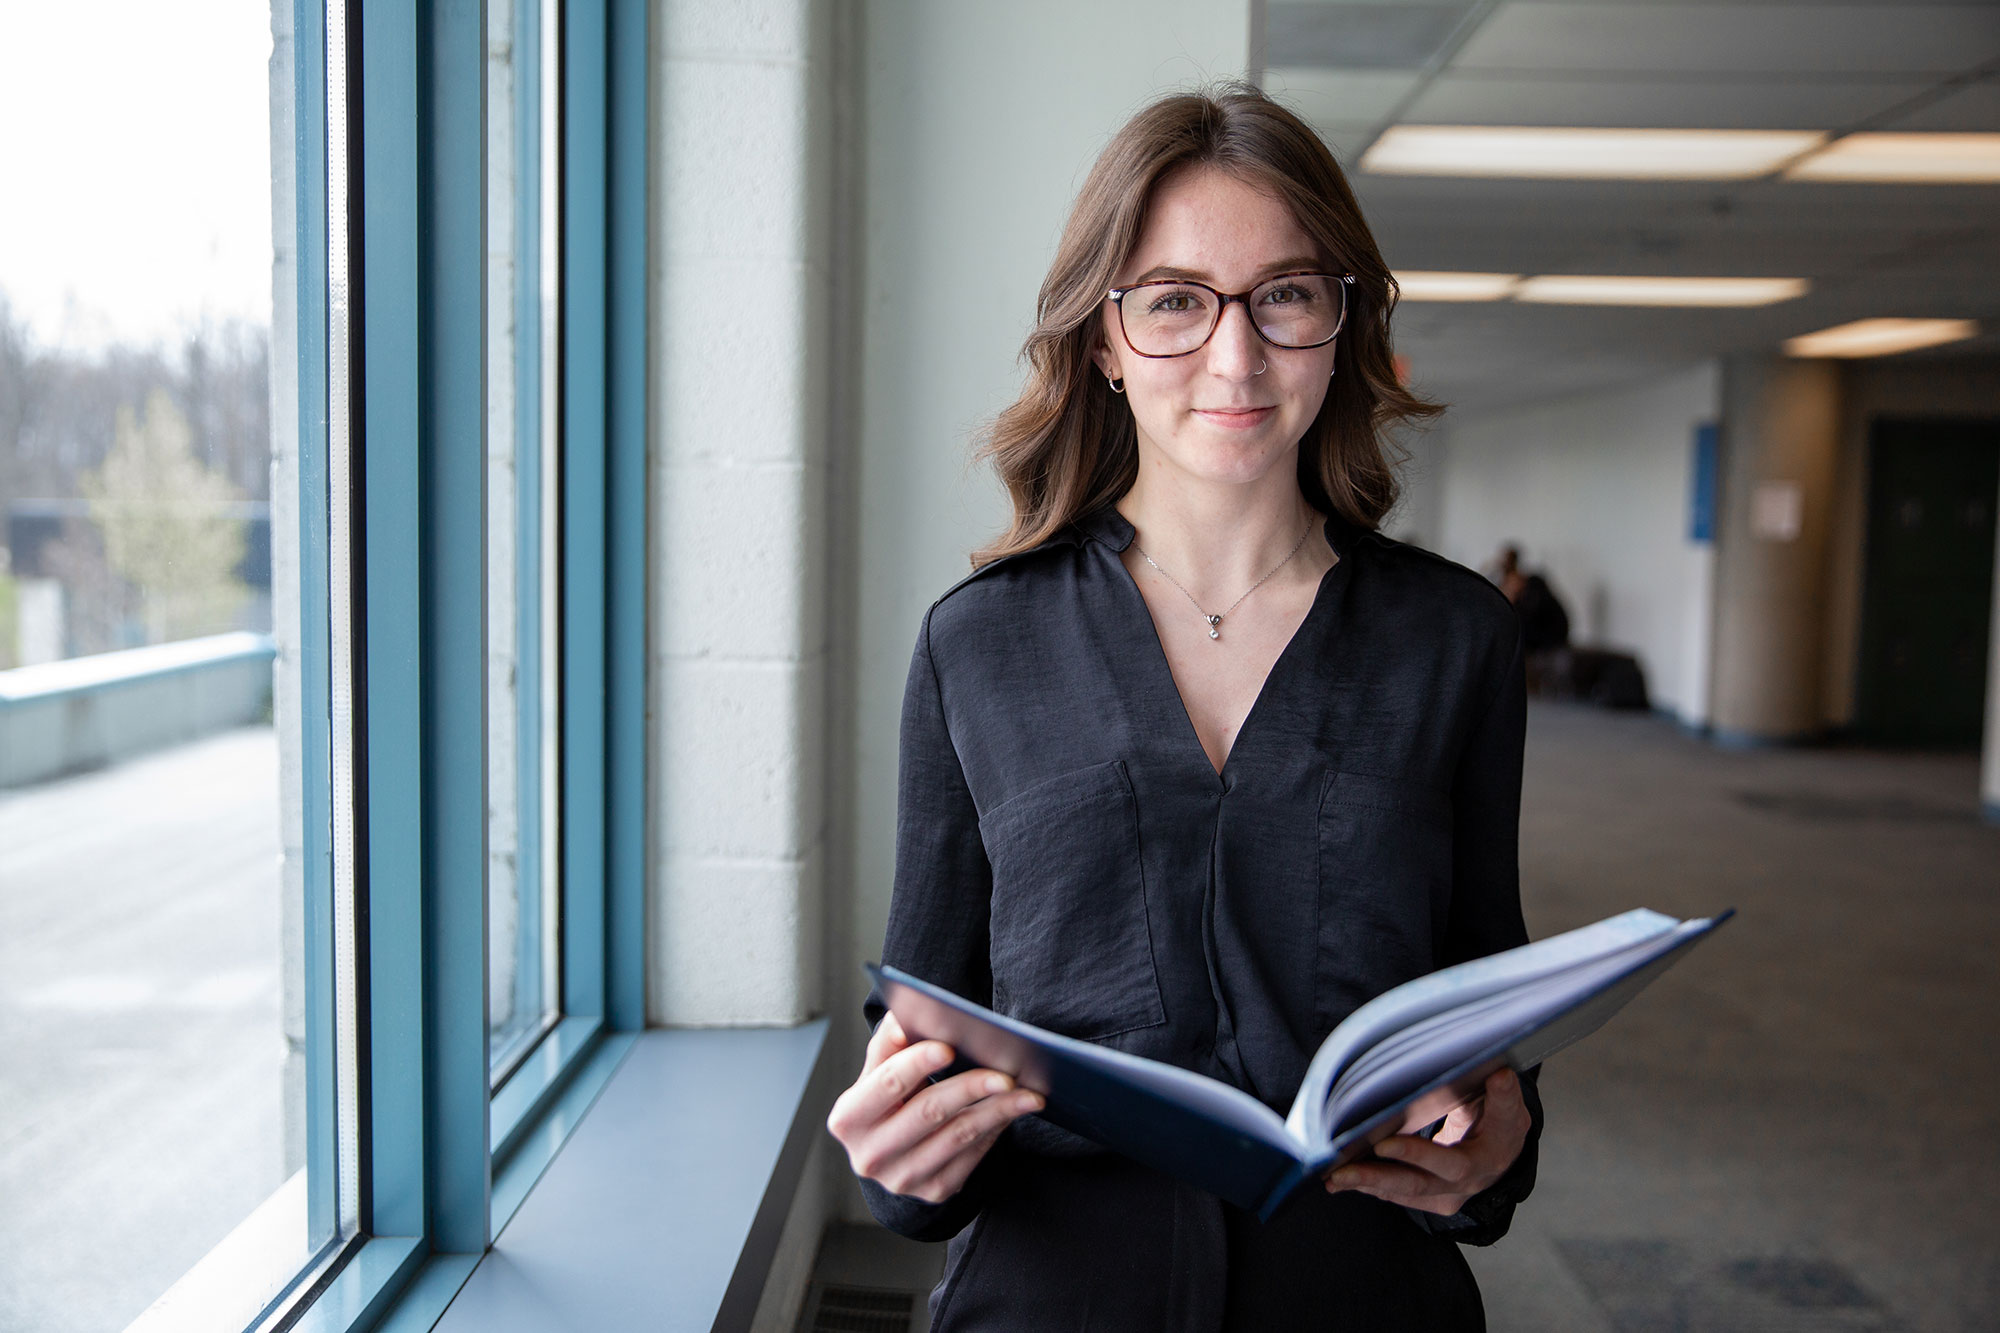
1215 621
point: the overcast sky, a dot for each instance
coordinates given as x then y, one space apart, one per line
135 171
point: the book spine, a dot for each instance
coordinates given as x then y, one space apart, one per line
1290 1181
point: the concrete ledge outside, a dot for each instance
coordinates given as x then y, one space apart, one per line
86 712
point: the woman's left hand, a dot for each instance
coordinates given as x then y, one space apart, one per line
1479 1141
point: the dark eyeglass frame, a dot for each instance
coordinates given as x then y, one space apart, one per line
1222 300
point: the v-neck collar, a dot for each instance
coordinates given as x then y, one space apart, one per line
1115 532
1107 526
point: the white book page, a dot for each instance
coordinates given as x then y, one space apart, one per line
1427 996
1438 1027
1390 1071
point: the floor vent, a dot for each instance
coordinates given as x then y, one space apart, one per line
842 1309
1645 1285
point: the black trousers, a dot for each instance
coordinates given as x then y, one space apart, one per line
1101 1244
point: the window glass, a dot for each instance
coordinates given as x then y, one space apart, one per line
522 490
152 967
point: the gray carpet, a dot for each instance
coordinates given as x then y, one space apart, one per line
1796 1128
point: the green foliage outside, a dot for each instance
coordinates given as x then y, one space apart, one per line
164 521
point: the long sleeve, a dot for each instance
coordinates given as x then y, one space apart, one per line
1486 906
938 912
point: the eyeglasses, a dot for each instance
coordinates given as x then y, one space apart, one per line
1175 317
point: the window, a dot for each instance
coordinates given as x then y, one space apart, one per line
523 485
155 948
378 548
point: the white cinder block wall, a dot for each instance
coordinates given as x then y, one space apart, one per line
737 476
1595 489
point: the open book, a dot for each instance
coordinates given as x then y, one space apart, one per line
1397 1063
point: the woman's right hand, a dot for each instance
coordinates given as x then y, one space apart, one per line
914 1137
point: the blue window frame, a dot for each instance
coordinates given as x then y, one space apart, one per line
417 1160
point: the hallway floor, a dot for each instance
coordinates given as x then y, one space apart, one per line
1796 1128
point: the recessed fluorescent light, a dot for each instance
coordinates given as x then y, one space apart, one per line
1880 337
1580 154
1567 289
1426 285
1911 158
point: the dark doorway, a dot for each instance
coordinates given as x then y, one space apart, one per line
1928 590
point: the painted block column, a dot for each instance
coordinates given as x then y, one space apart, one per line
738 647
1780 435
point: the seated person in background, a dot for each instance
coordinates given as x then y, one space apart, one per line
1544 622
1556 668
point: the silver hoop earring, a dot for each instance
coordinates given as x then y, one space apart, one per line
1262 366
1117 386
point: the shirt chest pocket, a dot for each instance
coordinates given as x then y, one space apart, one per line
1071 948
1385 873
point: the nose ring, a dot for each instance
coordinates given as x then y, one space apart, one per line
1262 366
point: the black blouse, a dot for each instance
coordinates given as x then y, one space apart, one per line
1067 854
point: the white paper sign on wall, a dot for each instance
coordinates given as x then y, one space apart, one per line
1777 508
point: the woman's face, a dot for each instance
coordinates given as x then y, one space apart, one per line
1212 414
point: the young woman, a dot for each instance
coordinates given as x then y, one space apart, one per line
1195 763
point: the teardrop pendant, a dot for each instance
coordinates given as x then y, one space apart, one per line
1214 622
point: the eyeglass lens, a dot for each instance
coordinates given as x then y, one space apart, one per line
1173 318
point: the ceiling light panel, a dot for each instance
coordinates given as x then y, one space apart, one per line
1432 285
1568 153
1905 159
1579 289
1880 337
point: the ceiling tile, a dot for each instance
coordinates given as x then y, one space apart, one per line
1329 96
1735 38
1347 139
1973 108
1470 99
1366 36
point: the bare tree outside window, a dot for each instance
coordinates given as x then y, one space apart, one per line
166 526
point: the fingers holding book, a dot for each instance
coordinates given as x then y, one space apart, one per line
915 1137
1479 1141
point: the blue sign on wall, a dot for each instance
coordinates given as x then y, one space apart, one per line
1701 497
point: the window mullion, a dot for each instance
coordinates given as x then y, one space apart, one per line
625 520
452 341
422 313
582 244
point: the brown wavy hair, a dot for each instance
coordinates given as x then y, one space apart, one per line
1068 445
